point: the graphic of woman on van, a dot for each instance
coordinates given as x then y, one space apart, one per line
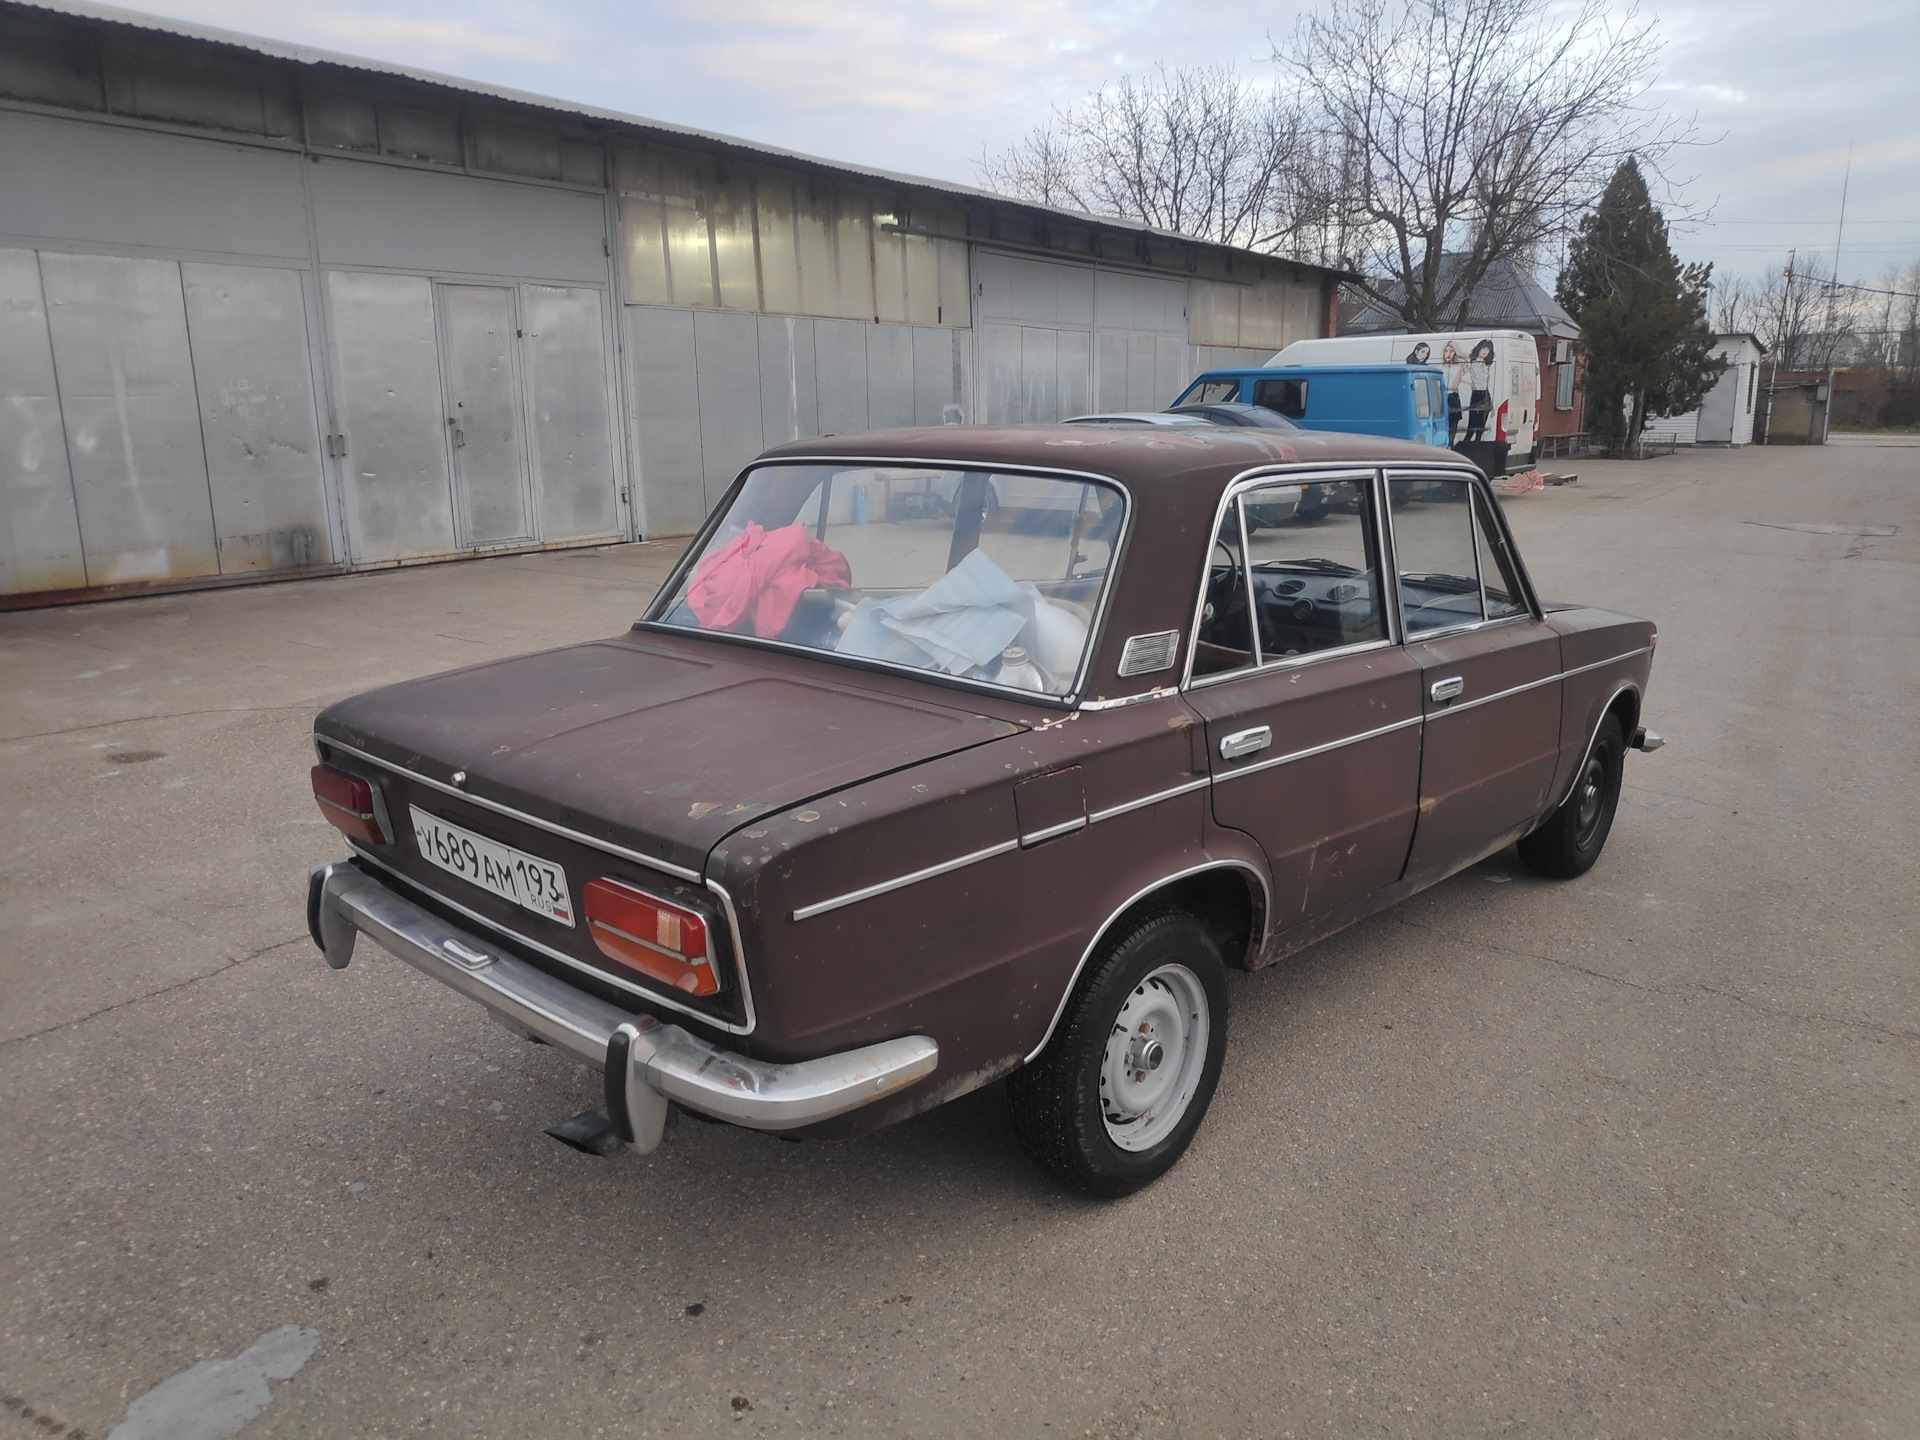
1454 362
1480 402
1420 353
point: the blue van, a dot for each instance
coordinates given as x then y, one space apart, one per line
1402 402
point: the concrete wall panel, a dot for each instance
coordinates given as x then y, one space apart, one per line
68 182
39 525
666 411
727 360
939 374
405 219
789 409
889 376
119 329
248 330
840 375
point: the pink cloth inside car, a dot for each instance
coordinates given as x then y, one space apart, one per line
763 571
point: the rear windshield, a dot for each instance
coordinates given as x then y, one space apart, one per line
981 576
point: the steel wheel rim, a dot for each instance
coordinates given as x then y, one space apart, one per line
1593 789
1156 1052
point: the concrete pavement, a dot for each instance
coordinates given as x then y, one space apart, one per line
1628 1156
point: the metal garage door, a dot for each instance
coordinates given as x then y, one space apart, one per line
1140 349
475 409
1058 339
1033 323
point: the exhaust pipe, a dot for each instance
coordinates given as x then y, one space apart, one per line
590 1132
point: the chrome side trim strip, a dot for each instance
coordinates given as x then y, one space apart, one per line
1457 707
1313 750
1610 660
1259 938
1125 700
1536 684
1065 827
1281 663
807 912
1145 800
652 862
619 983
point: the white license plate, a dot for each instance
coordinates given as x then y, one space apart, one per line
527 880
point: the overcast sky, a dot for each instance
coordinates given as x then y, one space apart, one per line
1786 89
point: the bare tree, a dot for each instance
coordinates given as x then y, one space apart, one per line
1733 306
1472 131
1198 151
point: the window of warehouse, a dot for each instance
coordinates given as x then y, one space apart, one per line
1563 387
694 236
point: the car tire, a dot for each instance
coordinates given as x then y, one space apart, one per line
1115 1099
1572 837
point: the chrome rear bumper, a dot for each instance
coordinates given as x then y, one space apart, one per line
647 1062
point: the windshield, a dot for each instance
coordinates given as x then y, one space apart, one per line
1209 392
982 576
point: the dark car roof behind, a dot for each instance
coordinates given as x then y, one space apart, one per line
1175 474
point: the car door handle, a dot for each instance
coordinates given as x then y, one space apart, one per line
1245 742
1448 689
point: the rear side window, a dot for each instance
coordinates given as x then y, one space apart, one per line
1422 399
1454 570
1497 578
1283 397
1434 539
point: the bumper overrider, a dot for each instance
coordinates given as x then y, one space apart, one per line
648 1064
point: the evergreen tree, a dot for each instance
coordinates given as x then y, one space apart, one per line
1642 314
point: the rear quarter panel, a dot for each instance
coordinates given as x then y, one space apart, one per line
1604 656
978 957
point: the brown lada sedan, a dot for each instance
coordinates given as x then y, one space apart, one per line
960 753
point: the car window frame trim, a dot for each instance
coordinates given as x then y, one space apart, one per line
1082 677
1310 474
1475 478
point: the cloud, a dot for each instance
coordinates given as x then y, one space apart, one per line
1893 151
392 35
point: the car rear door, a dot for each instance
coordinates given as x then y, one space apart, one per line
1489 668
1313 715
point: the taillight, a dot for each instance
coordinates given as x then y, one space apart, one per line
664 941
347 802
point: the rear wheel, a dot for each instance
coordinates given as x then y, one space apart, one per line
1116 1097
1573 836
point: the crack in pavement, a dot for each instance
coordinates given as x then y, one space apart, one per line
151 994
1680 992
144 719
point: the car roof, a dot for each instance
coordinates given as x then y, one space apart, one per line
1137 417
1253 414
1289 372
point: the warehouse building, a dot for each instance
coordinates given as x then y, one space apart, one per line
267 311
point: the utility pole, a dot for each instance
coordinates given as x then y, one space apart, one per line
1833 280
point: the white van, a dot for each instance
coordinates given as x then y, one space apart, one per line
1493 383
